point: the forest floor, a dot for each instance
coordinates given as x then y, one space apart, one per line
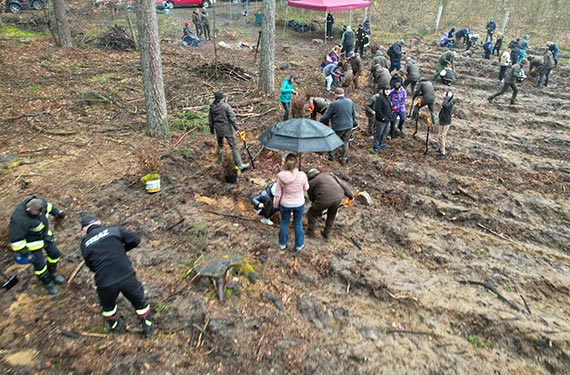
495 211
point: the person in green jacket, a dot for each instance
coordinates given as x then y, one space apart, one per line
285 96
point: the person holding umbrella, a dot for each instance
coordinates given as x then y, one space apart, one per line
342 114
290 199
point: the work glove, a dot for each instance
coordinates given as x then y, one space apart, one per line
393 108
59 214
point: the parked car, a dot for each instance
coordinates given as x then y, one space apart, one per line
16 6
189 3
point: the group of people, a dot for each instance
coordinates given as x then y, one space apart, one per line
287 196
202 27
103 248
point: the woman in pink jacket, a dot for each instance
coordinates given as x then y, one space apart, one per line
290 198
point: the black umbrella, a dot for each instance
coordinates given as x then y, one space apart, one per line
301 135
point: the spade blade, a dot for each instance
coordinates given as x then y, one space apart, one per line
10 282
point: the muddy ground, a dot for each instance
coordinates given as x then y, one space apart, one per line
496 211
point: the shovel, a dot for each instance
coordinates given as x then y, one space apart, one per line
242 137
10 281
427 136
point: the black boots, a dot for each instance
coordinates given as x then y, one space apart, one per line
57 278
48 282
115 325
148 326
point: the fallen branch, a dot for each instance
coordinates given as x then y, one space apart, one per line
404 297
24 115
466 193
230 215
252 115
258 352
356 243
203 332
410 332
184 136
492 289
75 272
526 305
53 132
497 234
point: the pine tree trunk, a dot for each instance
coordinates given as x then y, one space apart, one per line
267 59
62 24
151 65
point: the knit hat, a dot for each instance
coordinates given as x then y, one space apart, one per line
86 219
312 173
186 24
401 42
218 95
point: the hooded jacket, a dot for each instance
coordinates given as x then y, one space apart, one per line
548 60
286 91
222 119
383 108
512 74
398 99
347 38
290 189
382 77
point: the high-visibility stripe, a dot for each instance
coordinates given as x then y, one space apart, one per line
49 207
108 314
52 260
35 245
143 312
19 245
38 228
50 233
41 271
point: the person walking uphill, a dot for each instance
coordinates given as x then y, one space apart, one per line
513 74
285 95
223 123
326 192
395 53
105 252
347 41
412 73
445 121
342 114
426 94
29 234
290 199
549 64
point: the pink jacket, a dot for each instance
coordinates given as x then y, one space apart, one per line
290 188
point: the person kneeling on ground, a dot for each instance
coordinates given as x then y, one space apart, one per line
105 252
263 203
326 192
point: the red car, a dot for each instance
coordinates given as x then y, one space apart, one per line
189 3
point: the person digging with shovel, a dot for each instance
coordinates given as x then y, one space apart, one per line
105 252
326 192
29 234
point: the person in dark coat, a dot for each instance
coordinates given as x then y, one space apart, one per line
205 24
342 115
326 192
511 78
553 47
318 105
535 66
548 66
370 111
263 203
462 34
29 236
223 123
362 40
356 65
425 93
104 250
347 41
491 27
395 53
412 74
330 23
396 78
445 121
487 49
381 77
197 21
445 60
515 48
383 115
498 44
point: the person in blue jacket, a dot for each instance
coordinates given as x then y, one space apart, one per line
285 96
553 47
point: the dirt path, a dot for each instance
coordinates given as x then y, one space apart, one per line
495 211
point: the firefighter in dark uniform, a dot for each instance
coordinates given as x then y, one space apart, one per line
29 234
105 252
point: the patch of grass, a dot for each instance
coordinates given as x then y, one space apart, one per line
97 330
186 152
509 289
102 79
9 31
160 308
33 88
400 254
480 252
477 342
188 120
